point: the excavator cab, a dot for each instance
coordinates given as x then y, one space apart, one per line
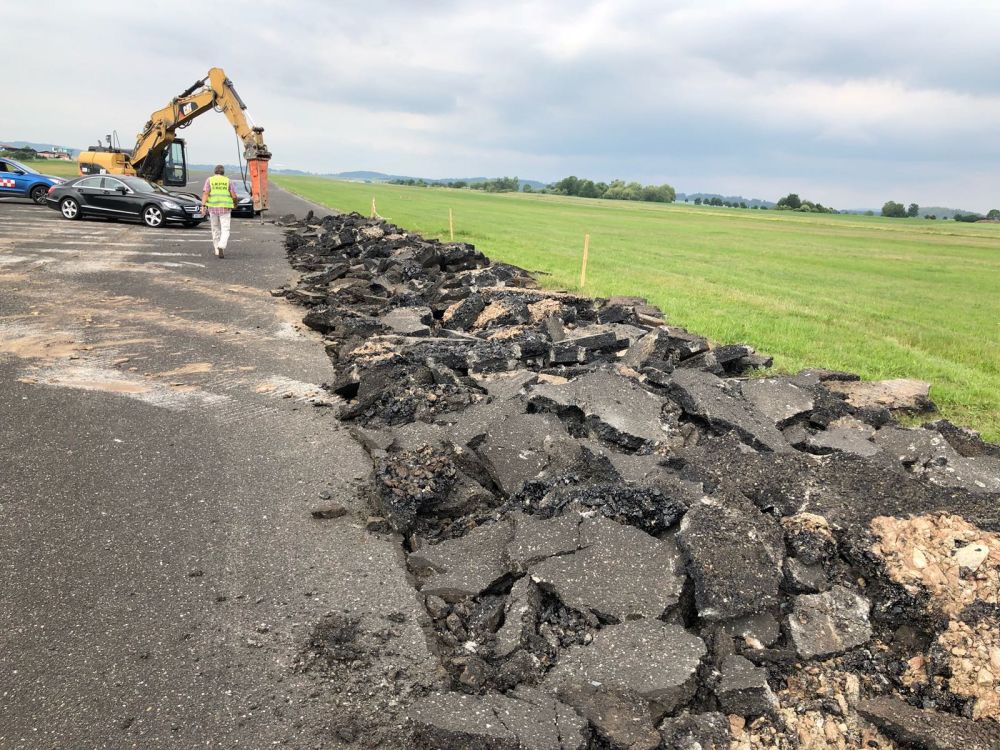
168 166
175 164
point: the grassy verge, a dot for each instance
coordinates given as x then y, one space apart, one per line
54 167
884 298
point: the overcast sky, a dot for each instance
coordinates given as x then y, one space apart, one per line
848 103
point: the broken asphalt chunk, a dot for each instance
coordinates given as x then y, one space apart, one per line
776 399
328 510
703 395
619 573
801 578
830 623
408 321
518 448
928 454
520 617
645 659
622 723
745 578
459 568
836 438
453 721
743 688
610 407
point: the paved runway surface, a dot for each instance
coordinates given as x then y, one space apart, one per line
159 451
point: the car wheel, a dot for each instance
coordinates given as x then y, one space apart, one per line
152 216
38 193
69 208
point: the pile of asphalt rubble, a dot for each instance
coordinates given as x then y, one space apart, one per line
626 537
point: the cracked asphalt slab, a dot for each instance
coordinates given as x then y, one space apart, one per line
160 450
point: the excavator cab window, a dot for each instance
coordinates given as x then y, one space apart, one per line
175 165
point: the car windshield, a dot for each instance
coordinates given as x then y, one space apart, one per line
22 167
140 185
239 187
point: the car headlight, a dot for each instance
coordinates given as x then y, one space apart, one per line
57 181
170 204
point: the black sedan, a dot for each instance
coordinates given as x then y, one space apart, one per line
125 198
244 201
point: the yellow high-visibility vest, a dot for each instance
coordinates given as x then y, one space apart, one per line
218 192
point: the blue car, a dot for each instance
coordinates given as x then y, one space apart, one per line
18 180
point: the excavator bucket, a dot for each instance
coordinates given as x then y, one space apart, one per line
258 183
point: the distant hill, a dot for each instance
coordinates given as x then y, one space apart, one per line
363 175
690 197
368 176
230 168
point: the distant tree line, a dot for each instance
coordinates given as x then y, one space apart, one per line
717 201
895 210
411 182
616 190
634 191
498 185
575 186
792 202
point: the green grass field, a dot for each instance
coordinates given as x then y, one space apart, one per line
54 167
884 298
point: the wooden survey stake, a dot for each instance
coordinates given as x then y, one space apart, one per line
374 212
583 268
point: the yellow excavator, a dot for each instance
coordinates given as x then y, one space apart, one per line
159 155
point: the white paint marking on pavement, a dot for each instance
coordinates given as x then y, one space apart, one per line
49 219
9 260
30 224
55 234
68 227
44 240
90 243
59 226
66 251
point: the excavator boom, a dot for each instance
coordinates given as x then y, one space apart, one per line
153 156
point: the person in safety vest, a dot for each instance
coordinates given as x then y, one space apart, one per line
218 198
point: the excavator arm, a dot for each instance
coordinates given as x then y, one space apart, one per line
215 91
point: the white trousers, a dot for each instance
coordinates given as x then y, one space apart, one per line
220 229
